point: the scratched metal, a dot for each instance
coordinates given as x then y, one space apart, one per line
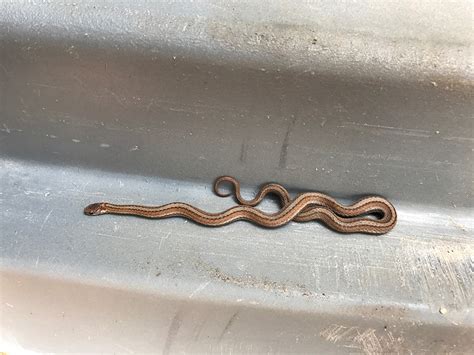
143 103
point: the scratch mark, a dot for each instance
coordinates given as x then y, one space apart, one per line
458 225
46 86
369 341
116 97
335 332
286 141
430 265
243 152
10 130
149 105
6 128
150 266
4 69
459 139
198 329
195 108
45 220
199 288
162 239
113 236
387 129
365 340
172 332
81 83
177 109
228 325
37 261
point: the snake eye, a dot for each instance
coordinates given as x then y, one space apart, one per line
94 209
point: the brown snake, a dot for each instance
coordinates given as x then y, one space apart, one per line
305 207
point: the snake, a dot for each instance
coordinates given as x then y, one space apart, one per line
308 206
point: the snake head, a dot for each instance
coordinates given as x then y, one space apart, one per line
95 209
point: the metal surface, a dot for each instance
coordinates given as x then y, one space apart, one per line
148 103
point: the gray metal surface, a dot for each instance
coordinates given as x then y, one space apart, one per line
148 103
